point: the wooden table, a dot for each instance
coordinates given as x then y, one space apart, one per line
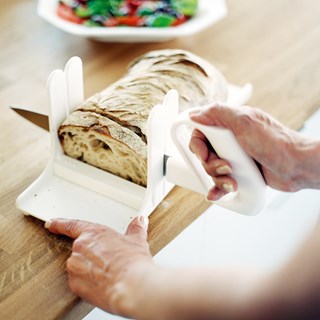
272 44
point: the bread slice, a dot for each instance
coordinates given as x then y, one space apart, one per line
109 129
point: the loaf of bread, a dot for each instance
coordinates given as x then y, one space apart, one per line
109 130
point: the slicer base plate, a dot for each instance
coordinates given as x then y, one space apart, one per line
53 197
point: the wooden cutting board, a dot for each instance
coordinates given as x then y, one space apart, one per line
272 44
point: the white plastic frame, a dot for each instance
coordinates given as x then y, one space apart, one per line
73 189
69 188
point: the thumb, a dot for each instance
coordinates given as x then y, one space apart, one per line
138 226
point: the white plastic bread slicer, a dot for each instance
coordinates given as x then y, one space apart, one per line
69 188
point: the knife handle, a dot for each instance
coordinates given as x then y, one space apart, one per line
249 199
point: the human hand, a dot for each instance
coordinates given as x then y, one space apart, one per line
105 268
279 150
115 272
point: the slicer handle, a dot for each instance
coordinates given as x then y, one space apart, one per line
249 199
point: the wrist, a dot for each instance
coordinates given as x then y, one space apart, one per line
128 292
307 172
148 291
153 295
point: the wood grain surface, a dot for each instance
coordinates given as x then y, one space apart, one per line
272 44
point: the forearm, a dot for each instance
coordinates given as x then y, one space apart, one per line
200 294
193 294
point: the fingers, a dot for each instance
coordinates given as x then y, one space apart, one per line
198 145
216 115
218 169
215 194
138 227
68 227
74 228
222 186
77 264
213 165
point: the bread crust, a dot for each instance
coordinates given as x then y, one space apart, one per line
109 129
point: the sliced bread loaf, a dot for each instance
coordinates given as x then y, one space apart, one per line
109 130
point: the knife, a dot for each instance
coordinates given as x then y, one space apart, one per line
38 118
250 197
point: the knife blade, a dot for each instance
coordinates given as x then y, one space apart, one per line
38 118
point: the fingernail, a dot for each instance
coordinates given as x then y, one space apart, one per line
200 159
47 224
228 187
208 199
224 170
144 221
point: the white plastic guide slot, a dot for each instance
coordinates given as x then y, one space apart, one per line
69 188
250 196
65 93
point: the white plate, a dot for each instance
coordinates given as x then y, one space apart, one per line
210 11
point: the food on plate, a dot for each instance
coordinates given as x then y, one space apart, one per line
109 129
133 13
